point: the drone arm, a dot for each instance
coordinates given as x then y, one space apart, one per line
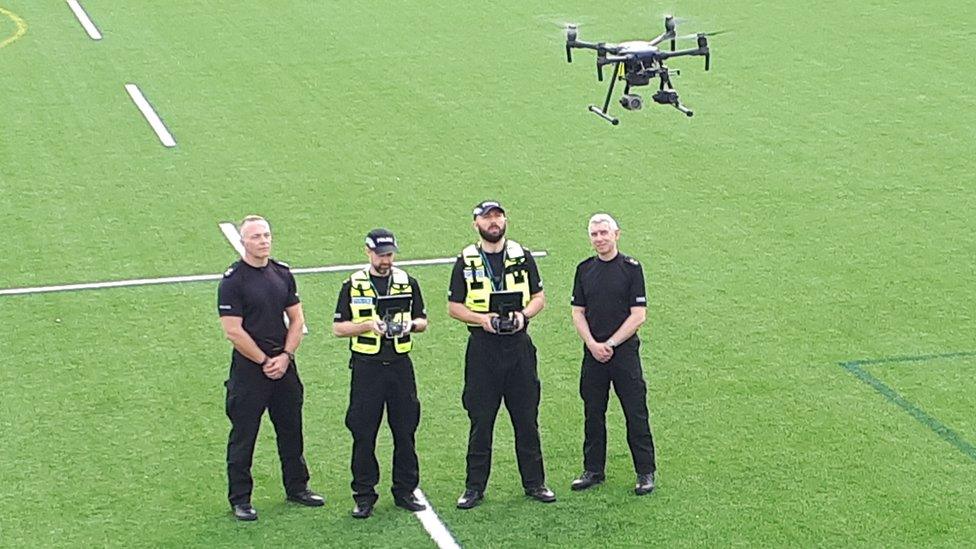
662 37
702 49
582 45
680 53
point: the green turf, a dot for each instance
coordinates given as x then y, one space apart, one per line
816 210
943 388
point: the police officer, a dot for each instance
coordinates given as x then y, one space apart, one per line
251 300
382 374
498 366
609 305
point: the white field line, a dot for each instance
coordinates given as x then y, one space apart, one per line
209 277
147 111
434 525
85 21
233 237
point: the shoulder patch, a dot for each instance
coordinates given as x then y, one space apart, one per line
230 270
632 261
280 262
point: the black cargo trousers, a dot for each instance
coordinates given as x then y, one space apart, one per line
377 384
249 394
624 372
497 368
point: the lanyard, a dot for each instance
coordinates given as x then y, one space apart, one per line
491 275
389 287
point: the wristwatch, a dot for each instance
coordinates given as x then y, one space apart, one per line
291 355
611 343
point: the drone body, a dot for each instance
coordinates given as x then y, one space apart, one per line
638 62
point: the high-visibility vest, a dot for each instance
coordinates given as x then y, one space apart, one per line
478 282
363 305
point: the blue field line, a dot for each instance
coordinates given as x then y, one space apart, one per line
941 429
918 358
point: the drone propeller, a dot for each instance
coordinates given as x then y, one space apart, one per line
703 44
572 31
695 35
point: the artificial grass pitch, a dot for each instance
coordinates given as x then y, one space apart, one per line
814 211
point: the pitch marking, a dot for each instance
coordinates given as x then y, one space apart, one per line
147 111
85 21
18 22
211 277
434 525
920 415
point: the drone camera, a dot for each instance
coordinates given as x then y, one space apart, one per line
666 97
631 102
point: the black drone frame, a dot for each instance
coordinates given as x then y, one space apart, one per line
639 67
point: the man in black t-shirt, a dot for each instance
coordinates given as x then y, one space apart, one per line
253 299
609 305
382 373
498 365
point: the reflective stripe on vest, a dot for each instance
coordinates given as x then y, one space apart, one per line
362 303
479 284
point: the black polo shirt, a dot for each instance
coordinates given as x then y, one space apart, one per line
458 290
259 295
608 289
381 285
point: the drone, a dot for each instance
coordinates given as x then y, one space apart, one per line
638 62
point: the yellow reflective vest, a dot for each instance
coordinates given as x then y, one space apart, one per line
363 304
479 283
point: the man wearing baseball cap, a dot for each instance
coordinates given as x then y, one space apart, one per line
499 364
382 373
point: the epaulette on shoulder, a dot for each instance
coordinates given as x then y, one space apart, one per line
280 262
232 269
631 260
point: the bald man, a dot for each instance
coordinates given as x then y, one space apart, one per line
263 374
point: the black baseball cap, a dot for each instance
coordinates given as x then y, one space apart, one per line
486 206
381 241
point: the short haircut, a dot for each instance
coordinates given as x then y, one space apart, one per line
604 218
252 218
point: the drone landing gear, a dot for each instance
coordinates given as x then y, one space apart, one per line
670 97
603 113
667 95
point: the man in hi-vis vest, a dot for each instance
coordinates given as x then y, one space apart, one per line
500 362
382 373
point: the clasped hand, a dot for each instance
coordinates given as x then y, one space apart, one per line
601 351
276 367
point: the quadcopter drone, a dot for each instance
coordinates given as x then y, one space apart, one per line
637 62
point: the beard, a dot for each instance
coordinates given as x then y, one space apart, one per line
488 237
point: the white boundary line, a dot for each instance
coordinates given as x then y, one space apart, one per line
85 21
147 111
208 277
232 235
434 525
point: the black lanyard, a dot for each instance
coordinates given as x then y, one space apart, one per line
389 287
491 275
